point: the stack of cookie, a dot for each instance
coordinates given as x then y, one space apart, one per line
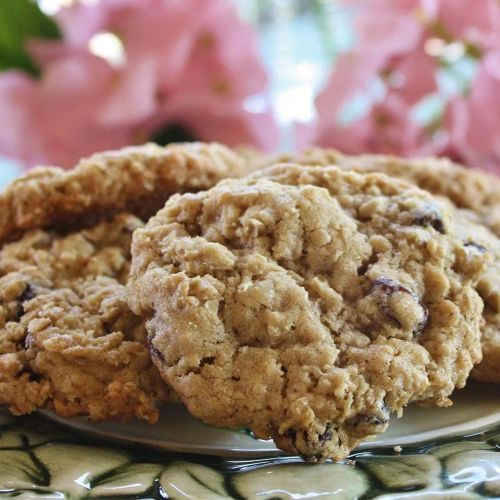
305 301
68 339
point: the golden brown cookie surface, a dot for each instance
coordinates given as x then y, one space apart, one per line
307 304
68 339
476 195
136 179
466 187
476 235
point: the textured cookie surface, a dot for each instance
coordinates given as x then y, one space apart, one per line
135 179
465 187
476 235
68 340
310 306
476 195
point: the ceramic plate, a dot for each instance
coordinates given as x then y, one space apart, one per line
451 453
474 409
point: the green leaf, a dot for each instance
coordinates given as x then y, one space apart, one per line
20 21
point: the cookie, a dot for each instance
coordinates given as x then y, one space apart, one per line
308 304
135 179
473 234
467 188
476 195
68 340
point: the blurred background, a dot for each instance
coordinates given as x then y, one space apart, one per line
407 77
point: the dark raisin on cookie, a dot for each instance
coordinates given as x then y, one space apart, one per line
27 295
390 287
378 417
431 216
155 353
475 245
327 434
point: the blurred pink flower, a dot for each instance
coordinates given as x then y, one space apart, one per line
191 62
413 75
383 43
17 108
234 124
386 128
400 52
476 21
474 120
389 49
55 116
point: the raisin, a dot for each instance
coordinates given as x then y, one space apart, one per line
34 377
389 287
327 434
367 419
430 216
155 353
380 417
208 360
28 294
477 246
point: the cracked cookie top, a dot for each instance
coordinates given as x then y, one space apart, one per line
307 304
135 179
475 198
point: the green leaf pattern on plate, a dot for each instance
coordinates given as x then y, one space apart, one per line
39 459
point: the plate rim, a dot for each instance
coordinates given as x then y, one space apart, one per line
470 427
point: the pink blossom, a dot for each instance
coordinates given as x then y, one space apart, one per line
235 125
197 50
17 107
474 120
475 21
133 98
386 128
80 22
189 61
389 49
55 116
392 48
352 74
386 28
413 75
383 42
